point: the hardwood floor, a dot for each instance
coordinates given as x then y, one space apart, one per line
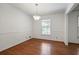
42 47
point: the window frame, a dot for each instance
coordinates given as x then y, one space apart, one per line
50 27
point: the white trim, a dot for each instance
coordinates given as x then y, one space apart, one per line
14 44
66 30
71 7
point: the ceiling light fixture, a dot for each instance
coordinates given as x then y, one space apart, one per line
36 17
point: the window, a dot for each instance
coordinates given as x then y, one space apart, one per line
45 27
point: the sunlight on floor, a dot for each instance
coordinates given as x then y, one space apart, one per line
45 48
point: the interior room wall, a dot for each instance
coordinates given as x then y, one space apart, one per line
73 27
57 27
15 26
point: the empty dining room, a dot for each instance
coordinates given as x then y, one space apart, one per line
39 28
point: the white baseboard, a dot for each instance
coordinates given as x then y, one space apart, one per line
13 45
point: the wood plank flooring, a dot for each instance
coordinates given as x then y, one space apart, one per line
42 47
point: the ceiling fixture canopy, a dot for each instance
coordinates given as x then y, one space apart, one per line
36 16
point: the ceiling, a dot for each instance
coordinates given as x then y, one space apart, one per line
42 8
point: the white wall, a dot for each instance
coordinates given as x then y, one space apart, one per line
72 27
15 26
57 27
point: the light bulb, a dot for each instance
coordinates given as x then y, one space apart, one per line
36 17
